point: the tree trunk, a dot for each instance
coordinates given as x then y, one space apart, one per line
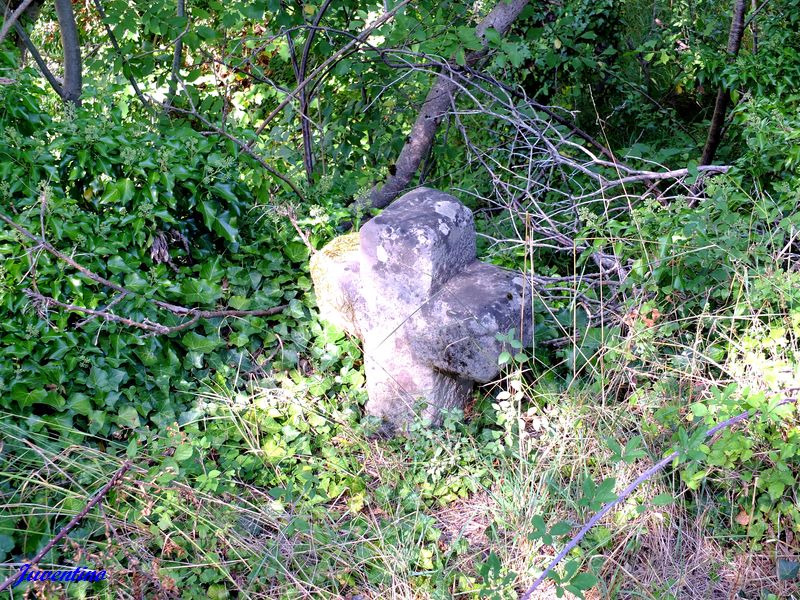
436 105
177 58
73 81
300 71
723 95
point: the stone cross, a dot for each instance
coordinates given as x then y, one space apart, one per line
410 287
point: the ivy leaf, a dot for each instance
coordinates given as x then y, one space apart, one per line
297 252
80 403
128 417
106 380
25 398
224 191
200 291
200 343
218 221
121 191
787 569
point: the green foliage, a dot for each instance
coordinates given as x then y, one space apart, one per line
252 455
107 193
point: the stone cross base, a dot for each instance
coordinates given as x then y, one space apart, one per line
410 287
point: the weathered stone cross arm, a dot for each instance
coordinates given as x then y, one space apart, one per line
410 287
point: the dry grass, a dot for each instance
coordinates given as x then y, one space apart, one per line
676 558
467 519
663 553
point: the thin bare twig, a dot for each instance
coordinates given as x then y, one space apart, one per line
360 38
145 102
246 147
151 326
289 213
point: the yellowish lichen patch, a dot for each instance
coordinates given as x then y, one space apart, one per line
333 250
326 272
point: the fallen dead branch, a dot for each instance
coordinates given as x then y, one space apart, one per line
74 521
741 417
43 302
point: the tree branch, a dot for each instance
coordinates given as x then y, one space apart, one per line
308 158
435 106
723 94
305 95
12 18
37 58
152 327
360 38
98 4
194 313
177 57
245 147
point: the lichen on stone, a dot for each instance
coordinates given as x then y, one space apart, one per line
326 272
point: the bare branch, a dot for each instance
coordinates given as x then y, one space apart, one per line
436 105
115 479
98 4
247 148
37 58
194 314
177 56
13 18
305 94
308 157
741 417
359 39
43 302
